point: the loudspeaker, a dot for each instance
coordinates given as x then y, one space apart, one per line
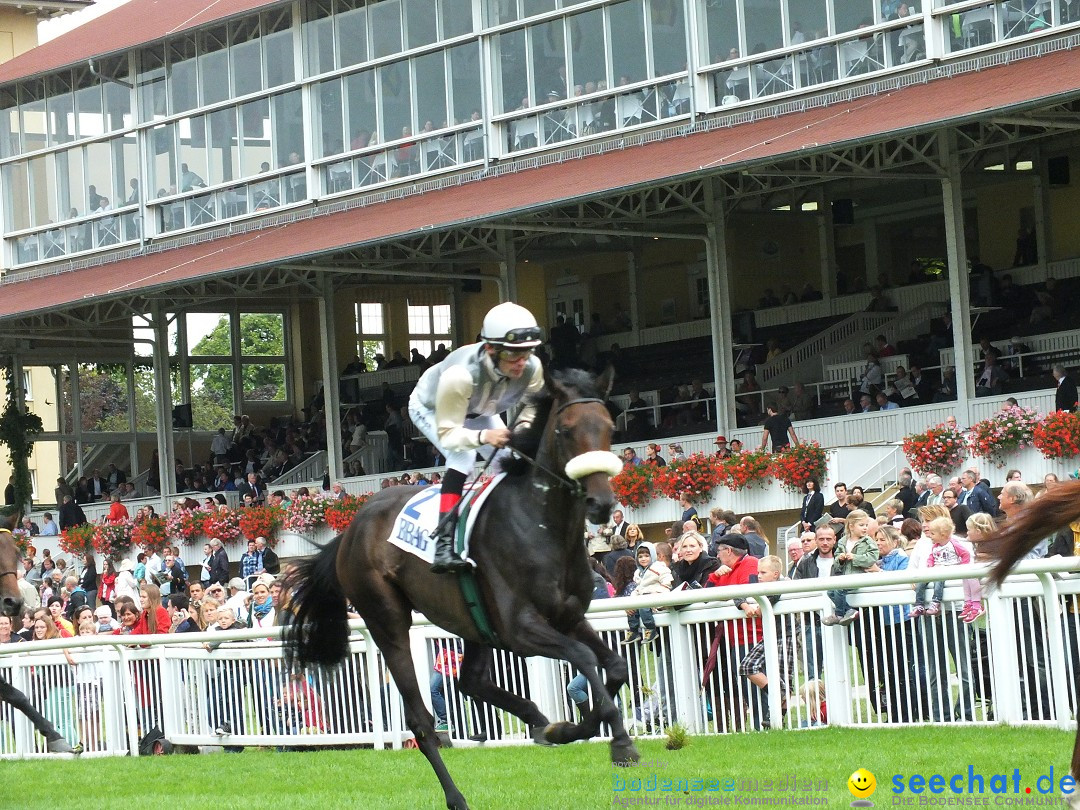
470 285
843 212
1057 170
181 416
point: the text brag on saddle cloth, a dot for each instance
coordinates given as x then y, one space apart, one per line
417 520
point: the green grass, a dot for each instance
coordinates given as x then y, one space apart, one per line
577 776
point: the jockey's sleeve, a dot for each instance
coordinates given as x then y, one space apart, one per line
535 386
451 407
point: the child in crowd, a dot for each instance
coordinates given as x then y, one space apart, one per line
946 550
752 667
652 577
812 695
979 527
859 554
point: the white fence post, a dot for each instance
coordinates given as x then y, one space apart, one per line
1008 705
685 687
1057 676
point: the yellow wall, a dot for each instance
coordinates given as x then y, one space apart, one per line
1064 229
18 32
771 249
998 210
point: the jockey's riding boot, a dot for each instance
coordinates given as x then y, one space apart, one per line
446 561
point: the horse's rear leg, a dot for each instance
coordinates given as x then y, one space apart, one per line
17 700
536 637
475 681
389 627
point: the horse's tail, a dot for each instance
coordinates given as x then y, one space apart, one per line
1038 519
318 627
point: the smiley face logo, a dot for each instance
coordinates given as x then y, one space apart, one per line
862 784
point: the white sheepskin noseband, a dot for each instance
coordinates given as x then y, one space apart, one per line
593 462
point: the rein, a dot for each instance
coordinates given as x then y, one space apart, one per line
575 487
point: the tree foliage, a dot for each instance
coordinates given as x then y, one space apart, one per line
19 428
261 335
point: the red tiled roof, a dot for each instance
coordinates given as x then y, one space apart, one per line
918 107
128 26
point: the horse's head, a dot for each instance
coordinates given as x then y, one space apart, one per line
10 599
579 430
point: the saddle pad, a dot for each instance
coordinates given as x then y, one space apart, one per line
420 515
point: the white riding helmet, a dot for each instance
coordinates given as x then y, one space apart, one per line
512 326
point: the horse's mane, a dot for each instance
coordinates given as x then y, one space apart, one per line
1038 519
527 437
9 520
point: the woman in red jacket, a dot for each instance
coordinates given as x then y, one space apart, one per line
118 513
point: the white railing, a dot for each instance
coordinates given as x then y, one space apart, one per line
310 469
1049 343
852 370
1015 665
856 328
655 334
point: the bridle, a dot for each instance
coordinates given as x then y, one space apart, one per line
575 487
8 573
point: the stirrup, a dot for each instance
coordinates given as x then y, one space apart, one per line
446 560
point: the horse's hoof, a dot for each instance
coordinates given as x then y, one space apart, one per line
444 739
538 734
624 753
560 733
62 746
457 803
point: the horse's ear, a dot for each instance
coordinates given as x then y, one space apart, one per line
605 381
551 384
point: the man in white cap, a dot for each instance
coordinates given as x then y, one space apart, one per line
456 405
238 599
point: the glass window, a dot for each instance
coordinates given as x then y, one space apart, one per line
99 175
61 108
587 66
246 55
455 17
32 107
212 395
396 118
262 334
808 20
430 77
513 78
117 106
193 162
319 38
421 21
263 382
419 320
370 320
209 334
182 75
88 105
764 28
465 81
214 65
722 25
43 190
549 62
255 153
278 55
502 11
360 100
74 194
422 346
288 128
17 194
224 153
386 21
329 118
352 37
628 42
668 36
9 123
125 157
531 8
853 14
163 160
151 83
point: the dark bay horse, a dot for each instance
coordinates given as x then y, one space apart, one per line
11 603
1054 510
532 571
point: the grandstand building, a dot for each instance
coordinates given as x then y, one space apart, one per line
220 205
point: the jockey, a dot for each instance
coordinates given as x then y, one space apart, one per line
456 405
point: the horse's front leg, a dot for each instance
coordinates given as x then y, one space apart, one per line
536 637
475 681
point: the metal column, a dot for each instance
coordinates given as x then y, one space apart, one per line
331 398
163 400
720 315
508 290
959 288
